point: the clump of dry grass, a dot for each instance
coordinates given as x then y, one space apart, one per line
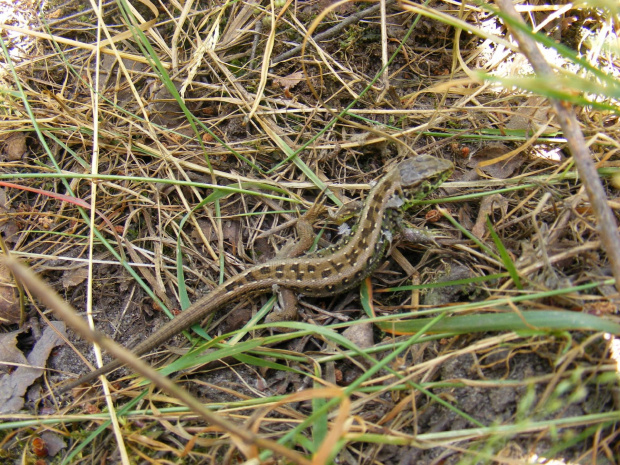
181 151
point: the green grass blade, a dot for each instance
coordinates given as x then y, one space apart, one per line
508 263
529 320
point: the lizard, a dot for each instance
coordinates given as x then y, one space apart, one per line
329 271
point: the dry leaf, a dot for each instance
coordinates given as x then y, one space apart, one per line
8 225
487 206
72 278
11 231
289 81
54 442
500 170
165 110
9 299
13 387
230 231
15 146
9 353
530 115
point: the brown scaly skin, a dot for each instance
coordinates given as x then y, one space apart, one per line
330 271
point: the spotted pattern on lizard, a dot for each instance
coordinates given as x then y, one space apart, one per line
330 271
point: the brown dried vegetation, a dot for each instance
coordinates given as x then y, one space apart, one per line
142 134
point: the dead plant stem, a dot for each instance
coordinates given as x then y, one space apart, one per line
607 225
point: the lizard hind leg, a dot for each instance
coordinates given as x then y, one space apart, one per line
305 231
286 309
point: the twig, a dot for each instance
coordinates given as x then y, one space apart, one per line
607 225
258 28
243 437
331 32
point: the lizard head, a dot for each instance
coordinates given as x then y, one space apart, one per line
421 175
